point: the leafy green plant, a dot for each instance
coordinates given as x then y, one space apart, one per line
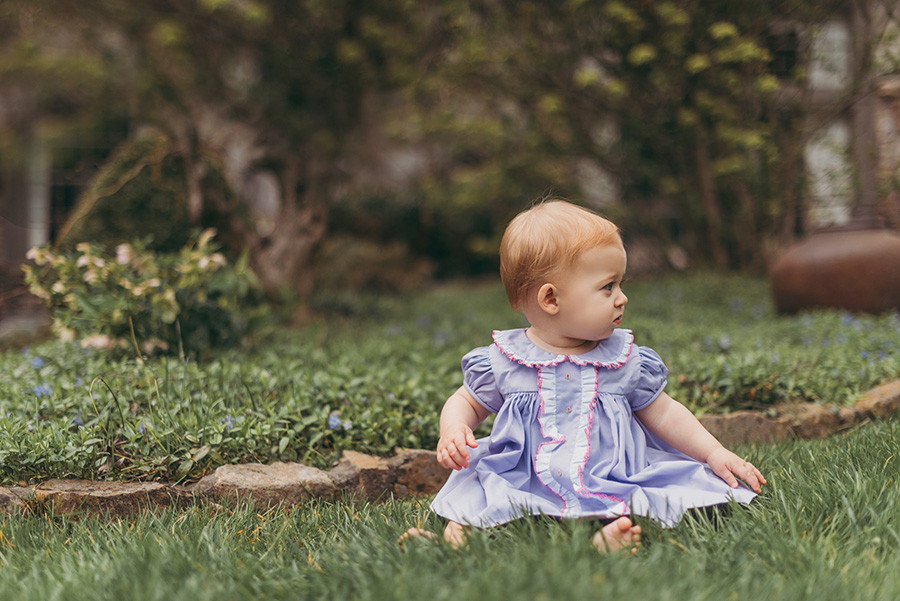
191 300
371 383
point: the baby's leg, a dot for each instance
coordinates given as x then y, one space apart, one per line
454 533
618 534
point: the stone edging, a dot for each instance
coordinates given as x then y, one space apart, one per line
408 472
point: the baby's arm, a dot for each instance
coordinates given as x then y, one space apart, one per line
460 416
672 422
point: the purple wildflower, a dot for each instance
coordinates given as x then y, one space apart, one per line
228 421
334 420
37 363
41 391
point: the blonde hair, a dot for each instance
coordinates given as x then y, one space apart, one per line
548 236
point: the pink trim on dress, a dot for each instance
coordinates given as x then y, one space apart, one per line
581 489
621 360
537 471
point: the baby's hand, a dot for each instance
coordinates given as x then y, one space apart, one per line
727 465
452 448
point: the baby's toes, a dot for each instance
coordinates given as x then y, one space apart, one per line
415 533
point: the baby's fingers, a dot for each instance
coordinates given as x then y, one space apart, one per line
449 460
747 472
459 453
470 439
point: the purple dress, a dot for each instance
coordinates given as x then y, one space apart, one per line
566 443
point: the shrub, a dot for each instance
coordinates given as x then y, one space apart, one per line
188 301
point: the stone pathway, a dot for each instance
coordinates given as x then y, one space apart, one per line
408 472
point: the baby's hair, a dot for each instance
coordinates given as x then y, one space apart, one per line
550 235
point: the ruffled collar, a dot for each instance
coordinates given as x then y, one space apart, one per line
612 352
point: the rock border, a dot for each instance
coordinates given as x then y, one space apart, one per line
408 472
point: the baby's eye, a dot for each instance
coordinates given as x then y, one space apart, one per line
609 286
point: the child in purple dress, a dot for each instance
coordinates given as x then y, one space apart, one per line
583 428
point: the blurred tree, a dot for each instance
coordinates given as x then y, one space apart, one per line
671 117
676 102
263 93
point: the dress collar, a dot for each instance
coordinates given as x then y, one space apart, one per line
612 352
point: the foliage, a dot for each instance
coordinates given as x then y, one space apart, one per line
138 193
378 381
674 103
826 527
190 300
501 101
267 90
726 349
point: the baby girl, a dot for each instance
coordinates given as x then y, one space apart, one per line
583 427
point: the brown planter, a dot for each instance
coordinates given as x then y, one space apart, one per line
856 270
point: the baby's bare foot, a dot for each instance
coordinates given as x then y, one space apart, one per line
618 535
413 533
455 534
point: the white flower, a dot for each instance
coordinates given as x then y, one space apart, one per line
153 283
213 259
123 254
59 287
90 276
96 341
83 261
83 247
205 237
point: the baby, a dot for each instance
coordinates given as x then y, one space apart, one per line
583 428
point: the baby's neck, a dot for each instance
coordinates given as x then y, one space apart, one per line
560 346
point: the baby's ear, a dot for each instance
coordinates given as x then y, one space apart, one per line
547 299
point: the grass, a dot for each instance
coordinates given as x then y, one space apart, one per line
826 528
377 379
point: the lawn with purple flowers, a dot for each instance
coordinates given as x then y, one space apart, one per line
377 379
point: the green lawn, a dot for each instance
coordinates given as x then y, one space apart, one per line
827 528
376 378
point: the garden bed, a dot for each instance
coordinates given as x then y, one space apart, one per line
375 377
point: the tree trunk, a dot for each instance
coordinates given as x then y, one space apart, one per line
282 257
710 206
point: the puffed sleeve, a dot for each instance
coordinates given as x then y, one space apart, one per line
478 378
650 380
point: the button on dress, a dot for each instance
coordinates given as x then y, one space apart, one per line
565 440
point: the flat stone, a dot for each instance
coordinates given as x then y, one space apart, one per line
417 472
288 483
113 498
9 501
882 401
363 476
746 427
22 492
816 421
